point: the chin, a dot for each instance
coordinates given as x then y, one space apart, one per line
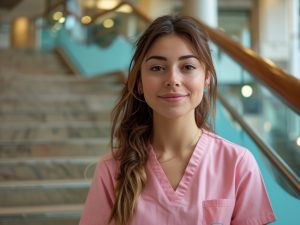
174 114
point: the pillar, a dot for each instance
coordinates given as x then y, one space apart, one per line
156 8
294 45
274 31
20 33
206 11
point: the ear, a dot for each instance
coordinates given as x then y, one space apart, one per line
207 80
140 87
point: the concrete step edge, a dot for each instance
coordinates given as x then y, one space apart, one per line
47 160
82 141
40 110
59 98
87 141
14 94
45 184
50 210
46 125
51 112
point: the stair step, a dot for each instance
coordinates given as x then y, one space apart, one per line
57 96
62 79
47 168
37 215
15 89
7 125
59 105
63 141
41 115
106 78
26 149
46 184
28 87
52 132
34 193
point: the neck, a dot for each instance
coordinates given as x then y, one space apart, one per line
175 136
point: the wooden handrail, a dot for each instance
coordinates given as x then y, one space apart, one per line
284 85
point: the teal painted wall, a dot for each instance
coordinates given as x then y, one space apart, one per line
93 60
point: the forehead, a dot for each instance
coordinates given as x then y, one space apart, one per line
171 44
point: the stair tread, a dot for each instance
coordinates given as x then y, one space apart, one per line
45 183
47 105
40 209
56 159
95 140
8 125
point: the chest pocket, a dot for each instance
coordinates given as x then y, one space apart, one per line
217 211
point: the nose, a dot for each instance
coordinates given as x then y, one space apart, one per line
173 79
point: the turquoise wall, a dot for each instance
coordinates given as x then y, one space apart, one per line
93 60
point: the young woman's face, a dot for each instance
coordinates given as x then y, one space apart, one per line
173 78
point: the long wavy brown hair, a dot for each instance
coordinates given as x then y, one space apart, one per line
132 128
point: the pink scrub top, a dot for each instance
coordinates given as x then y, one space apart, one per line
222 185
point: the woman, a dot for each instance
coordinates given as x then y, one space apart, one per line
167 167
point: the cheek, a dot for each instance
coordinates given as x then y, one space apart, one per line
197 86
149 84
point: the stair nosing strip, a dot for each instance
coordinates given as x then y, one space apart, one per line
47 125
51 159
63 141
7 211
45 184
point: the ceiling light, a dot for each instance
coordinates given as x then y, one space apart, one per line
298 141
125 9
108 23
86 19
107 4
57 15
62 20
247 91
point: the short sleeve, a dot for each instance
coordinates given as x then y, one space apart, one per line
252 205
99 201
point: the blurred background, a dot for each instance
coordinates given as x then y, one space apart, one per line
64 62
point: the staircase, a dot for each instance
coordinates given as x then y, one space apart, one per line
31 62
53 131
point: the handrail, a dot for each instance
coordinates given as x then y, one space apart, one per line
279 163
284 85
67 62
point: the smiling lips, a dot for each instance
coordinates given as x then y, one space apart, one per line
172 96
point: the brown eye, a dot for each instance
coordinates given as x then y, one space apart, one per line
189 67
157 68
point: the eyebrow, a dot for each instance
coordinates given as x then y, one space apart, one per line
165 59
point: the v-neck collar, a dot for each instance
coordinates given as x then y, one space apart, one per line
184 184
